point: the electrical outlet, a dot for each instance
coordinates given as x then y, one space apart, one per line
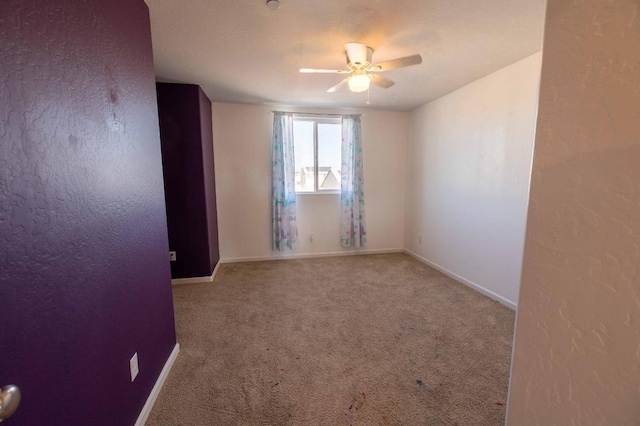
133 366
311 236
420 239
172 256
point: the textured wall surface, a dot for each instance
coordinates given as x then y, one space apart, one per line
187 159
242 135
577 348
84 274
468 168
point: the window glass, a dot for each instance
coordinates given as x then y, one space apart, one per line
329 146
317 143
303 135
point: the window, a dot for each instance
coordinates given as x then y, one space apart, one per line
317 145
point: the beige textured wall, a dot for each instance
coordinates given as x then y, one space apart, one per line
577 347
468 167
242 145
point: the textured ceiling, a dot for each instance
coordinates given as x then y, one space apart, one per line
241 51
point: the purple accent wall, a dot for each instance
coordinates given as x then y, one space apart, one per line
187 157
84 271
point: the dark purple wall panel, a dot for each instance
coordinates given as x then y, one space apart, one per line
84 271
187 157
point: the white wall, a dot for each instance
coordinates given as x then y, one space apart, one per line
577 349
242 148
468 168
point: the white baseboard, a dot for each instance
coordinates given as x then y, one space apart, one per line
508 303
309 255
146 410
193 280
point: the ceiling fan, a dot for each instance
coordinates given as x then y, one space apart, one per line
362 71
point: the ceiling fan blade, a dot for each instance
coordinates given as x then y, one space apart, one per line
322 71
381 81
397 63
338 86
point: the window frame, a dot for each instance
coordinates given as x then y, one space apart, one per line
315 119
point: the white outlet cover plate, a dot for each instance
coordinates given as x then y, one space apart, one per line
133 366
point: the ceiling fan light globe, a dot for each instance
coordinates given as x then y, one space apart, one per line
359 83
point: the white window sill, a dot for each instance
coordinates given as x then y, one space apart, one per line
327 192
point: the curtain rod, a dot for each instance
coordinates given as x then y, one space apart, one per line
316 113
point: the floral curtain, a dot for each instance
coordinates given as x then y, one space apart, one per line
283 193
353 231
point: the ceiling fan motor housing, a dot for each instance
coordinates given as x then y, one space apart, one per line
359 56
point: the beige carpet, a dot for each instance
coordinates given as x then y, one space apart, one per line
357 340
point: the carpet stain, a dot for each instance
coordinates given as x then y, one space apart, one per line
358 401
424 387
